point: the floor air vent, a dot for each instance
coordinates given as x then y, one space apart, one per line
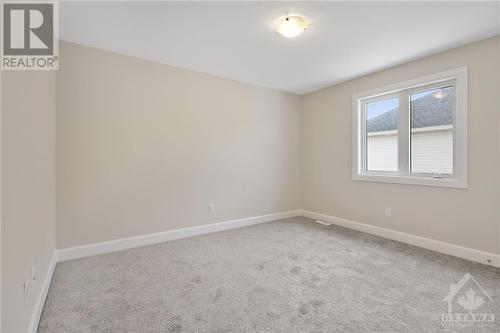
322 222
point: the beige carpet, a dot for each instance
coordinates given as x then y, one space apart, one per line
286 276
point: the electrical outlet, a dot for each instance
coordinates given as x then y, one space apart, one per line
388 211
211 208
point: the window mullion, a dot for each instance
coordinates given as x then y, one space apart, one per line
404 133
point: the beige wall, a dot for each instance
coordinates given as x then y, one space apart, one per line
28 190
144 147
467 217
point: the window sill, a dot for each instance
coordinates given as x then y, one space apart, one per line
411 180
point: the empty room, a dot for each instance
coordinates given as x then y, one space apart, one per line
250 166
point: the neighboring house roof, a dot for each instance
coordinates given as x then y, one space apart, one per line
423 113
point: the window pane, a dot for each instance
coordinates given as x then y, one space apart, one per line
431 139
382 135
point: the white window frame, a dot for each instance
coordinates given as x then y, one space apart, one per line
458 179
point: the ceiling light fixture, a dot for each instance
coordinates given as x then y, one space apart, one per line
291 26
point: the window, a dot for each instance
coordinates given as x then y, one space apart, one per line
414 132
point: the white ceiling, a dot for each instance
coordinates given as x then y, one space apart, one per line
236 40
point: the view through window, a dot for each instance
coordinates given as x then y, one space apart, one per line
431 140
382 135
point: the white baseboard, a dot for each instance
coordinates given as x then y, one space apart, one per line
40 302
164 236
426 243
159 237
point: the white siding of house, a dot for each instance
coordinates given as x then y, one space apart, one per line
382 152
431 151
